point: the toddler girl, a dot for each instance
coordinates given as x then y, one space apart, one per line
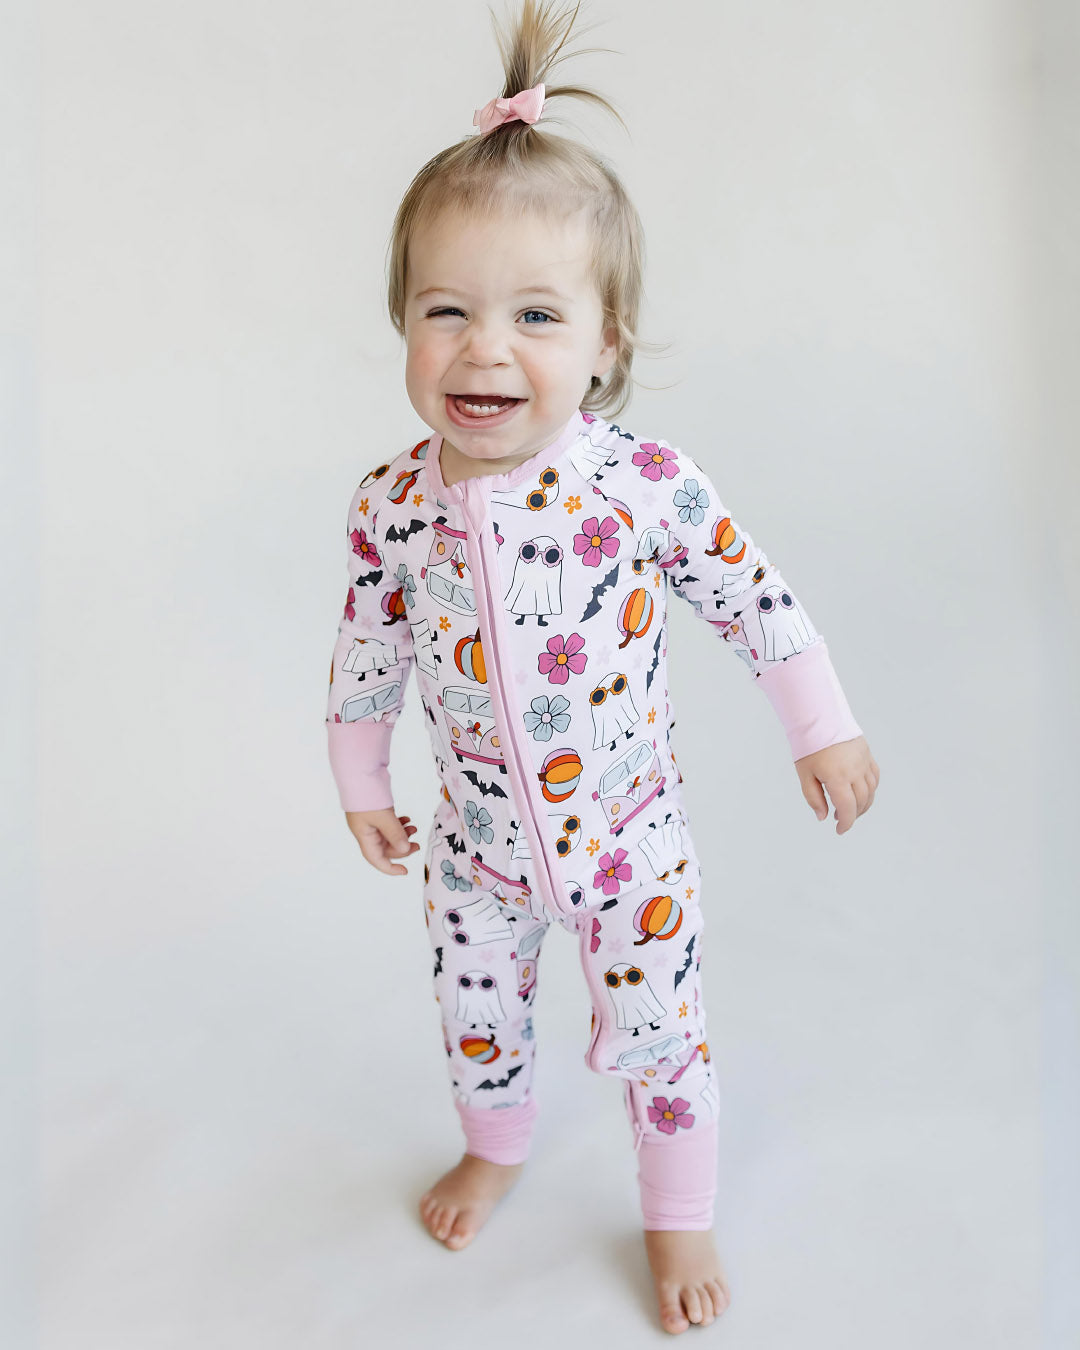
521 557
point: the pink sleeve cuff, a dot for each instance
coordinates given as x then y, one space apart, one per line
806 696
359 755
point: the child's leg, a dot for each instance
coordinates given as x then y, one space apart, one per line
486 952
641 958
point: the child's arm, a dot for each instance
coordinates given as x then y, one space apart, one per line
713 564
369 669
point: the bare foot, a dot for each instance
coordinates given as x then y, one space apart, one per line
690 1281
458 1205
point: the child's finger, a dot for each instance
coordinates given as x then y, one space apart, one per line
846 808
399 843
373 847
814 796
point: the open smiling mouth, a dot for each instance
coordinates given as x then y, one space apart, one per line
472 409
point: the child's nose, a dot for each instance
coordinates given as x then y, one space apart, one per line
487 345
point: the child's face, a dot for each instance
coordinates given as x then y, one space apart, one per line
485 332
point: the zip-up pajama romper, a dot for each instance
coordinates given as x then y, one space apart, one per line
532 605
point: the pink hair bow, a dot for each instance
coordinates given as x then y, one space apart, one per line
526 106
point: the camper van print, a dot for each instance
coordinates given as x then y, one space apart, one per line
448 576
471 724
369 703
509 890
630 784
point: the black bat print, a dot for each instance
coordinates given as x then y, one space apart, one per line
396 533
369 578
485 789
438 961
593 607
656 659
455 843
675 581
626 435
501 1082
687 963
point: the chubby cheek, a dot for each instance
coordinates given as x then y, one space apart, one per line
422 373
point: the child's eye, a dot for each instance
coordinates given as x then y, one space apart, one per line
451 309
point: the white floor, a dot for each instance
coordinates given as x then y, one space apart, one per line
239 1126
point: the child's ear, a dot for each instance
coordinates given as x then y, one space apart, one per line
608 352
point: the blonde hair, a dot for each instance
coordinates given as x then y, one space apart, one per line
518 168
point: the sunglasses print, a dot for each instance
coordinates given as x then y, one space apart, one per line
613 978
617 686
571 825
537 498
467 982
550 557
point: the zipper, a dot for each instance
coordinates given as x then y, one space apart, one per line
518 767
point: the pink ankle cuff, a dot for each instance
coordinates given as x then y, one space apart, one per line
498 1134
677 1178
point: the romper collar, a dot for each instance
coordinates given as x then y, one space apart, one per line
500 482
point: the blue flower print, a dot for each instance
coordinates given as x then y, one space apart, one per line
479 822
691 499
451 880
408 585
545 715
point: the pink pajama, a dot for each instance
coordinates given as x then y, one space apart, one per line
641 957
532 605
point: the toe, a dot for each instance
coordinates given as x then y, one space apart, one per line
708 1312
671 1314
720 1297
443 1218
692 1303
675 1320
461 1231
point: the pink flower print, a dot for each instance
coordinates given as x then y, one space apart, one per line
363 546
611 871
668 1117
595 540
656 460
588 417
562 657
594 936
350 612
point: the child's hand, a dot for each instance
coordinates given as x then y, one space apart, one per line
382 835
848 773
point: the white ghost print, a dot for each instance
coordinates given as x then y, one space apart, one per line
478 999
615 712
536 586
479 921
783 626
632 997
664 847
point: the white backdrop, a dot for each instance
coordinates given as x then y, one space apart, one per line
861 224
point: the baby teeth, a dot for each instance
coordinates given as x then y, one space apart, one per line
483 409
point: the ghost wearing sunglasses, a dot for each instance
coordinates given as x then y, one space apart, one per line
478 1002
613 710
536 586
632 997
